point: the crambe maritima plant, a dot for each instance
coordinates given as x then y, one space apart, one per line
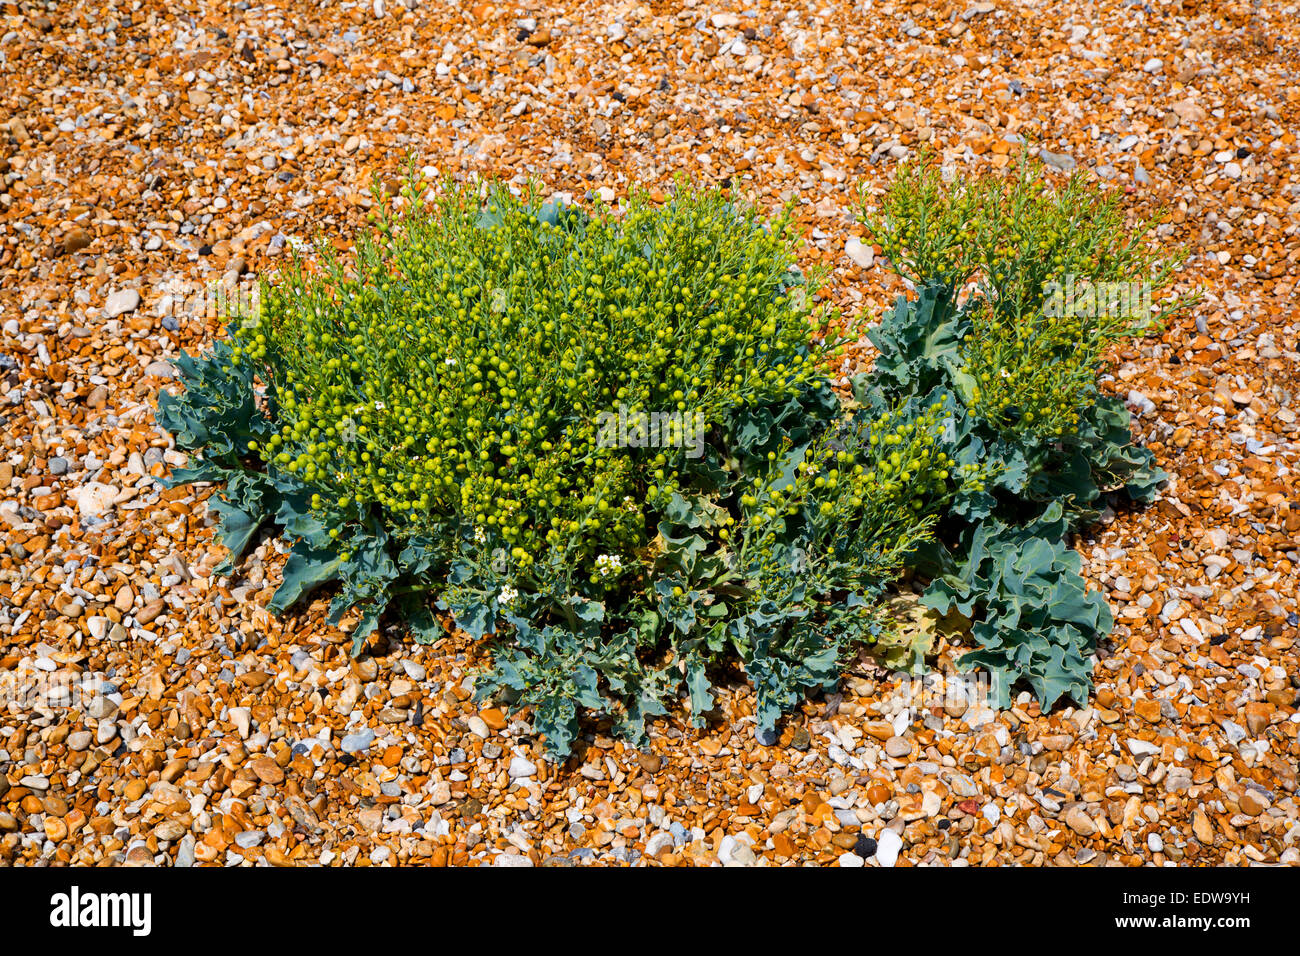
1021 288
431 424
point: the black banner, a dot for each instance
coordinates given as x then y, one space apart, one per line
312 904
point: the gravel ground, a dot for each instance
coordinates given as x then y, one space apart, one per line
147 150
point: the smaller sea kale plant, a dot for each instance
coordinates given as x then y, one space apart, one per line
1020 290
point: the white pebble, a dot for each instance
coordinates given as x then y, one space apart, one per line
887 846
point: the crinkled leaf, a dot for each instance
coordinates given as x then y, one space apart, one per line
308 568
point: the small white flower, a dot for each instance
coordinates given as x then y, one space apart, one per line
479 536
607 564
507 595
379 406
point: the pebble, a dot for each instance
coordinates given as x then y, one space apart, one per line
169 830
248 839
1253 804
658 843
139 854
1234 731
898 747
76 239
1061 161
860 252
241 717
1077 819
521 767
55 829
1142 748
267 770
94 498
121 302
888 845
358 742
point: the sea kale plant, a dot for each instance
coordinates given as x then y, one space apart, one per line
607 445
1020 290
603 443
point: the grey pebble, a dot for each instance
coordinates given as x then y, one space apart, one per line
355 743
249 838
1062 161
